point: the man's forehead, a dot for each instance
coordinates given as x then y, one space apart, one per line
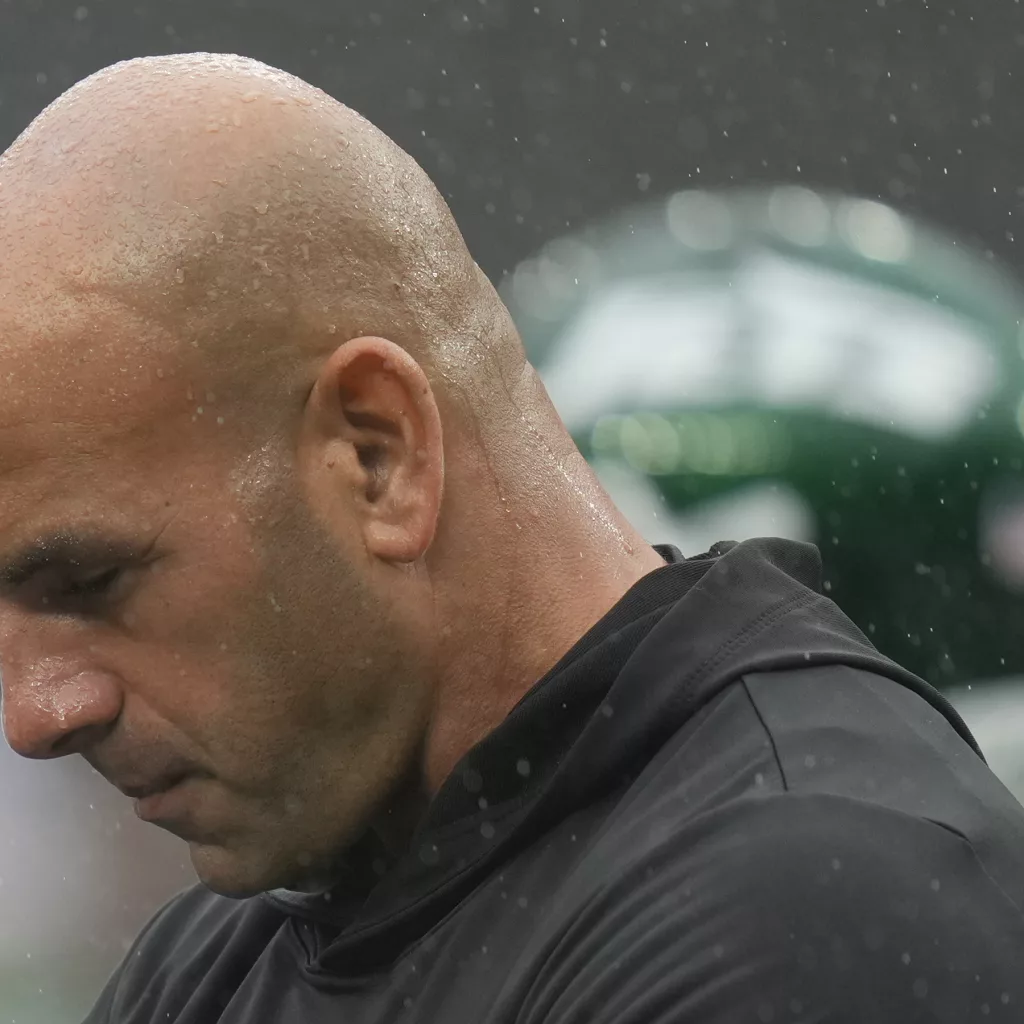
54 337
84 386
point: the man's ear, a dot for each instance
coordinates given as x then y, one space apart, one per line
372 441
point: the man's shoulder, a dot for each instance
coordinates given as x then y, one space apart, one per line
838 730
814 843
822 754
786 904
773 841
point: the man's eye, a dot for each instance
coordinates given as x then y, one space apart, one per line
92 586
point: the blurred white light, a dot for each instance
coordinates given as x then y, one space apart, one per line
700 220
1001 534
776 332
800 215
876 231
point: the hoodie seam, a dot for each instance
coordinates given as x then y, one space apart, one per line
751 630
768 733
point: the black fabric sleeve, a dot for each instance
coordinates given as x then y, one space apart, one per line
792 908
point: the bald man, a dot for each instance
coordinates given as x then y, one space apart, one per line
295 551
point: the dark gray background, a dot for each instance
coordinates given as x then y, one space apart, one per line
535 115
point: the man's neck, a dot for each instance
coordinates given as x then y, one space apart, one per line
528 614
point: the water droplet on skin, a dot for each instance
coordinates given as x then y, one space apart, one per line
220 421
261 207
250 97
332 329
179 276
160 374
218 236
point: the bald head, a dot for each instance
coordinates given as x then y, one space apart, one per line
251 215
287 522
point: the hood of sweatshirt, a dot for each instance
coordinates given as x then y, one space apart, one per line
668 647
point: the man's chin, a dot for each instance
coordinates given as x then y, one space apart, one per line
227 873
235 874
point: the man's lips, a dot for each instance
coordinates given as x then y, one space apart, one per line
141 790
167 804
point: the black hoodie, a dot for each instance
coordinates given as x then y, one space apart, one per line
721 806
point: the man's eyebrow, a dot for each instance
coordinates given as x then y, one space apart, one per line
62 549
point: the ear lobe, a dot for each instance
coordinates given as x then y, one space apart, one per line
380 426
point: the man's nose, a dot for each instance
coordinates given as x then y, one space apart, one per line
49 715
